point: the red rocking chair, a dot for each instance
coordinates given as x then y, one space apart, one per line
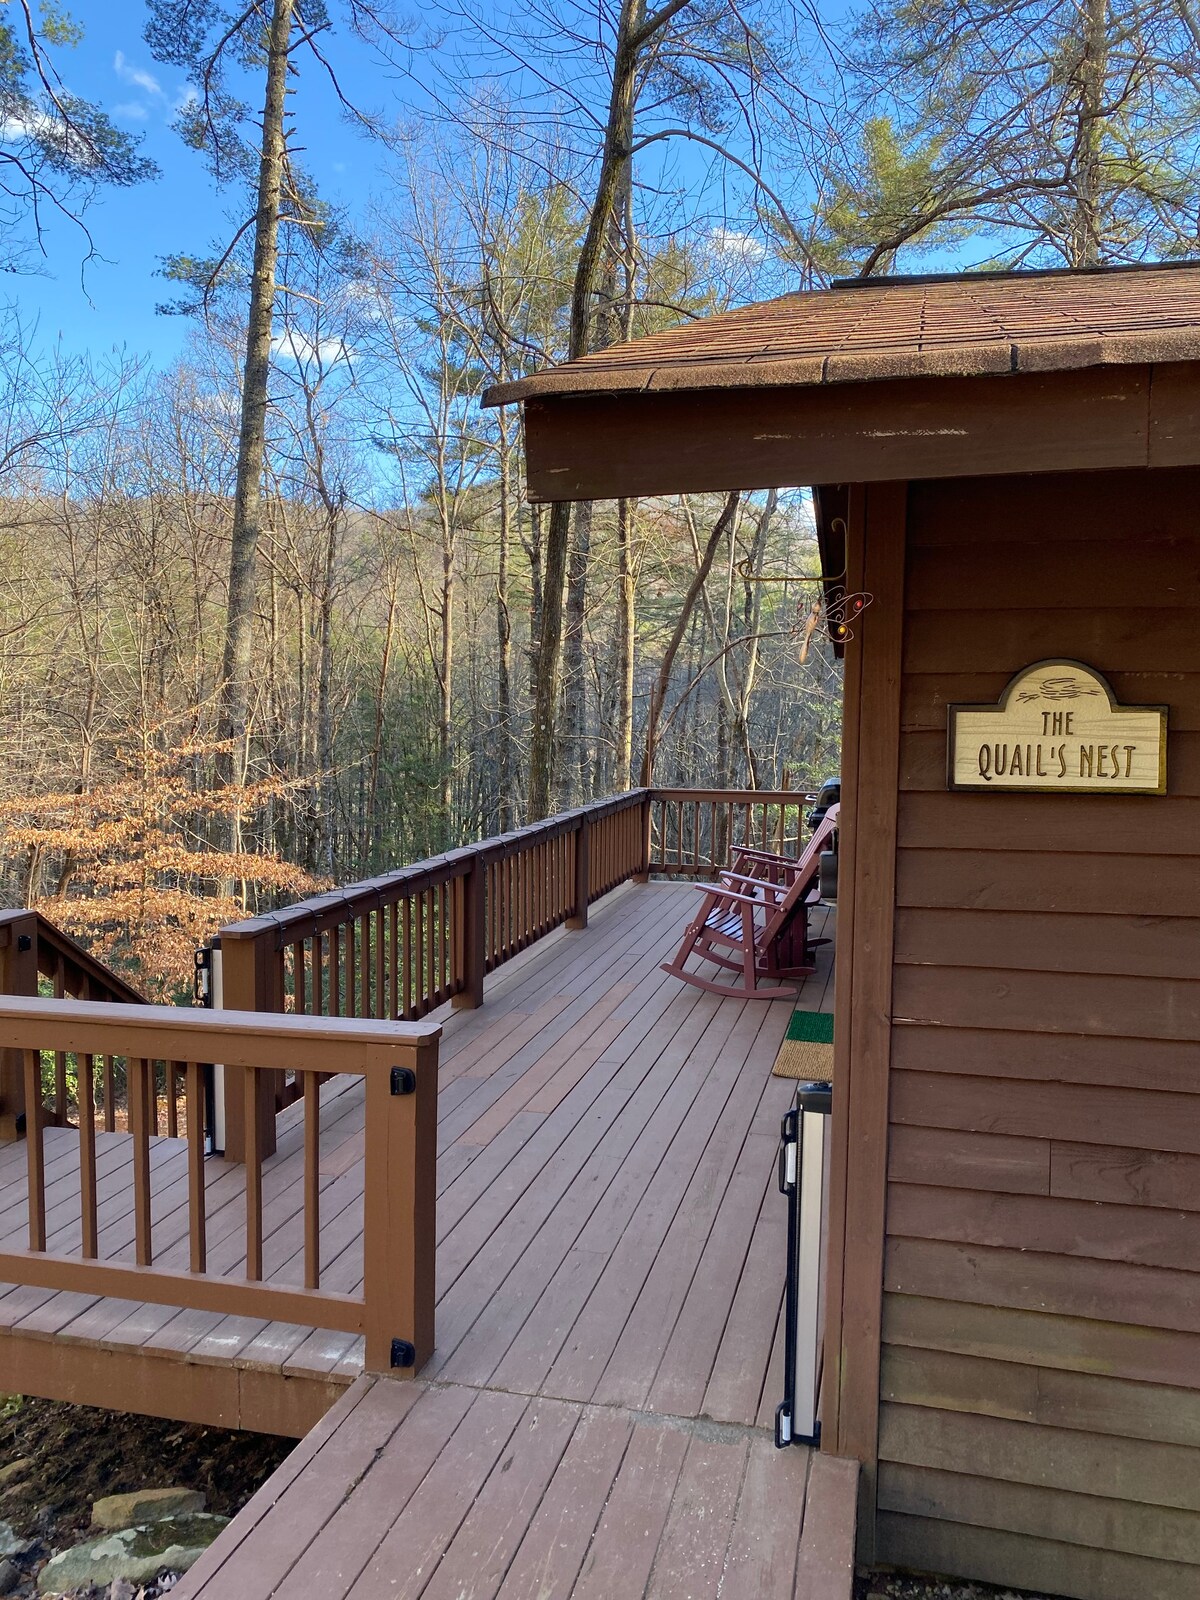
755 921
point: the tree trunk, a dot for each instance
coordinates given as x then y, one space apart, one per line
1093 71
325 849
626 638
574 730
658 693
615 157
446 675
504 752
236 670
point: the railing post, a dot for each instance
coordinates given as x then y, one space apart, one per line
400 1208
642 875
249 982
18 976
472 898
583 873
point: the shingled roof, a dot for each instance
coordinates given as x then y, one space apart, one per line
942 326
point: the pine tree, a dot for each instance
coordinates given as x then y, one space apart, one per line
1058 132
57 150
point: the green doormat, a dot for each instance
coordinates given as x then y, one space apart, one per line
807 1051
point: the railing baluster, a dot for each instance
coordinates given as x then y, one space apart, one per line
194 1114
172 1108
86 1097
407 968
443 974
352 967
138 1088
312 1181
433 926
60 1056
335 971
110 1109
254 1228
35 1151
380 1009
394 968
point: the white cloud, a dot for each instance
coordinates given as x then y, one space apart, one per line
128 73
299 348
131 111
220 407
49 130
37 125
366 300
730 242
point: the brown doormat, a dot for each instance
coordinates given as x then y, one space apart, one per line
807 1051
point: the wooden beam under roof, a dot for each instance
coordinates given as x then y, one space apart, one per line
604 446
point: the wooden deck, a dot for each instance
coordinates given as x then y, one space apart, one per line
595 1419
449 1492
609 1228
595 1424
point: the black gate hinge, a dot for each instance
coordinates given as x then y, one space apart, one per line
404 1080
404 1354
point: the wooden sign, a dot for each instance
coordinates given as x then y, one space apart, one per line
1058 728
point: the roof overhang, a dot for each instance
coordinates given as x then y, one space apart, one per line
607 446
949 375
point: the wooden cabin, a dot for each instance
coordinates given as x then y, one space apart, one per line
1008 465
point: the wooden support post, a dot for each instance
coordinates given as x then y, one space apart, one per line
863 997
583 873
470 894
249 982
400 1209
642 875
18 976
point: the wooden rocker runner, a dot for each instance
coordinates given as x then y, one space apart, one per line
755 921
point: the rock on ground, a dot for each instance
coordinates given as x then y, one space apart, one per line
137 1554
923 1586
11 1544
117 1511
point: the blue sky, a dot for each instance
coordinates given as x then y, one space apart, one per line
133 229
111 300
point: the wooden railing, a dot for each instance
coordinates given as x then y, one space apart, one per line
37 957
397 946
218 1245
694 832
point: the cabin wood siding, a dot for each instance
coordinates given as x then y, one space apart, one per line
1040 1375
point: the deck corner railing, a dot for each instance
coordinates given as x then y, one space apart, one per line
190 1256
694 833
36 956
